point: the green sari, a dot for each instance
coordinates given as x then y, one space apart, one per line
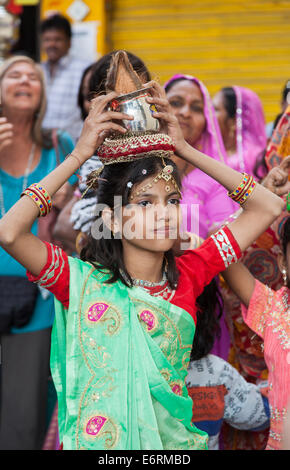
119 361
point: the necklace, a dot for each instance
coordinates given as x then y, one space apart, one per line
25 179
142 283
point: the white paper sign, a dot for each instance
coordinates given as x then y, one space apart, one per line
84 40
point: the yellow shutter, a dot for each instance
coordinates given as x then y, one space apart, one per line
238 42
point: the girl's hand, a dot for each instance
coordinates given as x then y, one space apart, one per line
6 133
169 123
98 125
277 178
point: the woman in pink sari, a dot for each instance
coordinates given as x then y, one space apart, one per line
242 123
205 203
192 105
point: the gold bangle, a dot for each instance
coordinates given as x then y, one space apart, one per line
244 190
236 192
40 197
248 192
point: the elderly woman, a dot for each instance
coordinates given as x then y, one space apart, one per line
26 315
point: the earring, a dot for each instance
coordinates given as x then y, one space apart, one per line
285 277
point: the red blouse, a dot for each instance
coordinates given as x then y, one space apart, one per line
196 267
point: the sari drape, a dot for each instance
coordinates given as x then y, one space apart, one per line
119 362
251 139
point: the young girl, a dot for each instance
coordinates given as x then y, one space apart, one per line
125 314
267 313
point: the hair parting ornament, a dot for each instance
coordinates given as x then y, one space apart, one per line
165 174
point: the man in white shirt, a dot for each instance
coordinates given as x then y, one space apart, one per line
63 74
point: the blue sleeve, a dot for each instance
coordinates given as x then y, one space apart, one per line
66 146
267 411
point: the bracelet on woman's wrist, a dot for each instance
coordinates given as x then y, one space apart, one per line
40 197
244 190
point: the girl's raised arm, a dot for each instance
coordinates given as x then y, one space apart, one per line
15 227
259 210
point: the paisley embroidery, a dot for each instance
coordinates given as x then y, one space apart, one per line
98 427
97 318
176 387
96 311
95 424
170 341
149 318
103 313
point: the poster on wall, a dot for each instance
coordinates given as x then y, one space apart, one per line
84 40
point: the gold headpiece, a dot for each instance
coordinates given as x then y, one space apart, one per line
165 174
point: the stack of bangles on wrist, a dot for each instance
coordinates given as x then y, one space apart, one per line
244 190
40 197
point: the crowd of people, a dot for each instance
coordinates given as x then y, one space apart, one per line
192 350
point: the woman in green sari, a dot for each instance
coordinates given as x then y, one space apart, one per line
126 310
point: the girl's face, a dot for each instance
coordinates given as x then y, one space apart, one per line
152 219
186 100
21 88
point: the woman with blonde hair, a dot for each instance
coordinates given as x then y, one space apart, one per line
26 314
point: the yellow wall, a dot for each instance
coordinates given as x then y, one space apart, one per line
238 42
97 13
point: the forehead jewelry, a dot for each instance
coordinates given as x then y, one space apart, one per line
166 174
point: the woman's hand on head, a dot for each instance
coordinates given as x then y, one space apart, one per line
6 133
168 121
277 178
98 125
